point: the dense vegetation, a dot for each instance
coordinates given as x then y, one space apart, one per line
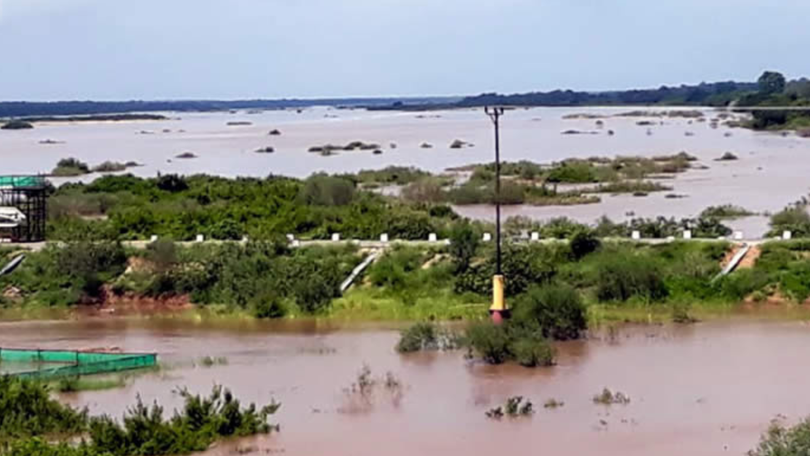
31 420
127 207
263 278
774 91
704 94
526 182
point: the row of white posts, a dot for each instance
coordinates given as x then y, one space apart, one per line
636 235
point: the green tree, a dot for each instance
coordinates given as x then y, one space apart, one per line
464 243
771 82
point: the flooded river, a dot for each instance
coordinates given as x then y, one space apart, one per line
706 389
770 173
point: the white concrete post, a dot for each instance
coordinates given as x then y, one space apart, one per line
687 234
384 238
296 243
487 237
432 237
290 237
154 238
335 237
200 238
636 235
245 239
535 236
787 235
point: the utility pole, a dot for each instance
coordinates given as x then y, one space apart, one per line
499 310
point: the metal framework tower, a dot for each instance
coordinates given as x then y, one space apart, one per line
27 194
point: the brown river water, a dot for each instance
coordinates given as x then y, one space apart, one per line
771 172
705 389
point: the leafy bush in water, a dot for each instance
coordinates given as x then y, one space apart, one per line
780 440
425 336
496 344
201 421
28 410
576 172
556 309
514 407
725 211
794 219
621 276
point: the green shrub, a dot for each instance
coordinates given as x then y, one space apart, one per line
28 411
510 341
464 242
556 309
794 219
532 351
200 422
725 211
323 190
583 242
425 336
576 172
523 266
171 183
70 167
621 276
490 342
269 306
781 440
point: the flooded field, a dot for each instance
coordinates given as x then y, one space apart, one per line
706 389
770 173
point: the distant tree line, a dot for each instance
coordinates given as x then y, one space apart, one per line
10 109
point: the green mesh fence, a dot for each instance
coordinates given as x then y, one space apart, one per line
21 181
65 363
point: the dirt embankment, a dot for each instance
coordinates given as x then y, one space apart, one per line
747 262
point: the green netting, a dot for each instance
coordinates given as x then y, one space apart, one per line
74 363
21 181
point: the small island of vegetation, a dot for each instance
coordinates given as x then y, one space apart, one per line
17 125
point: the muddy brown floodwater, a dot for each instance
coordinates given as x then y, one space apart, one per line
706 389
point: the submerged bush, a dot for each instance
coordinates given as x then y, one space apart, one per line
201 421
497 344
426 336
608 397
515 407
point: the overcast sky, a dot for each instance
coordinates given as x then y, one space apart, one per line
179 49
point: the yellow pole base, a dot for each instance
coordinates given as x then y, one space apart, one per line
498 302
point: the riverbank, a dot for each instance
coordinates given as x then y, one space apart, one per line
616 280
